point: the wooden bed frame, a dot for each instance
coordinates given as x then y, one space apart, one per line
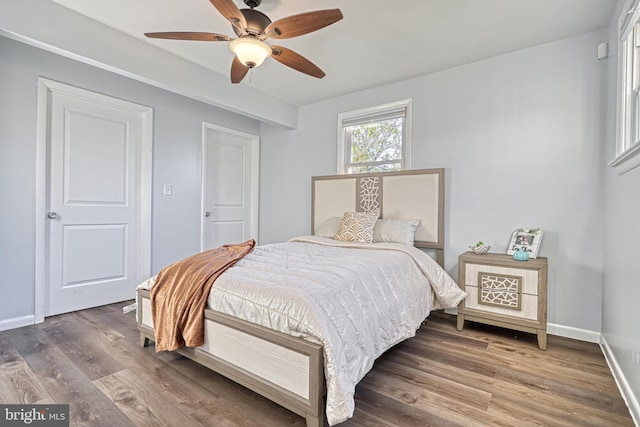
290 370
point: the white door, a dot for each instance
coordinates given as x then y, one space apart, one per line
230 186
94 207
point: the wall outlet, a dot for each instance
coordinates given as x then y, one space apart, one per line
636 356
168 189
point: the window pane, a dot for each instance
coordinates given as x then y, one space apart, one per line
375 142
387 167
375 138
627 151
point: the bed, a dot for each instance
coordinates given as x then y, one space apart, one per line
301 320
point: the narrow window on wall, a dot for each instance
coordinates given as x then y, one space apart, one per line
375 139
627 153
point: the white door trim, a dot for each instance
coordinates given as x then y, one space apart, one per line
45 88
255 176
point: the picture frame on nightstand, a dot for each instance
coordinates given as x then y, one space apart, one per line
525 239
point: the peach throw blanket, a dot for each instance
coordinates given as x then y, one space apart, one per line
179 295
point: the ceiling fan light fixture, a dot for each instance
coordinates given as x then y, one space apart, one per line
250 51
253 27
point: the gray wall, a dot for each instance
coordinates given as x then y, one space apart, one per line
176 157
621 285
520 136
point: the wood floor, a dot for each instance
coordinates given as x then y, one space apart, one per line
482 376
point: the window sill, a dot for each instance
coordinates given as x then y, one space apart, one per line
626 160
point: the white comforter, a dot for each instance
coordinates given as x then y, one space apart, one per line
356 300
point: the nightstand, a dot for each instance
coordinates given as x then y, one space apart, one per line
504 292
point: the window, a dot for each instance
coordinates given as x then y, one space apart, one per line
628 127
375 139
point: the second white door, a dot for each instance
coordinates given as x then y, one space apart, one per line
230 186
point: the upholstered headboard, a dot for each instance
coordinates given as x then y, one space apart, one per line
410 194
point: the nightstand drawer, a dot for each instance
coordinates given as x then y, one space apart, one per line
524 307
528 281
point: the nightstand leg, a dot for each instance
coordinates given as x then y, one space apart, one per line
460 322
542 339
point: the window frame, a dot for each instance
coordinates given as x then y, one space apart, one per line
380 111
627 144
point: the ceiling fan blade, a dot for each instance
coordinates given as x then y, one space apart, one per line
231 12
296 61
189 35
303 23
238 70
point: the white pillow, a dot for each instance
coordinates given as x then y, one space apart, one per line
329 228
357 226
395 230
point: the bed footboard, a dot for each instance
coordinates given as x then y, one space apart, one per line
282 368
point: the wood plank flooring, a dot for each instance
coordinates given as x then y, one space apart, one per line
482 376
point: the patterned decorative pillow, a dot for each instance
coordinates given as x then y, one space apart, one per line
395 230
357 226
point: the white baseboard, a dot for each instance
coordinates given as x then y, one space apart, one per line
17 322
574 333
621 381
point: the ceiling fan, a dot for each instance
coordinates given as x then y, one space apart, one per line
253 28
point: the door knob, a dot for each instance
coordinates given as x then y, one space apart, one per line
52 215
207 214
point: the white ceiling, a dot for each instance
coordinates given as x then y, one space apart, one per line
373 44
376 42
